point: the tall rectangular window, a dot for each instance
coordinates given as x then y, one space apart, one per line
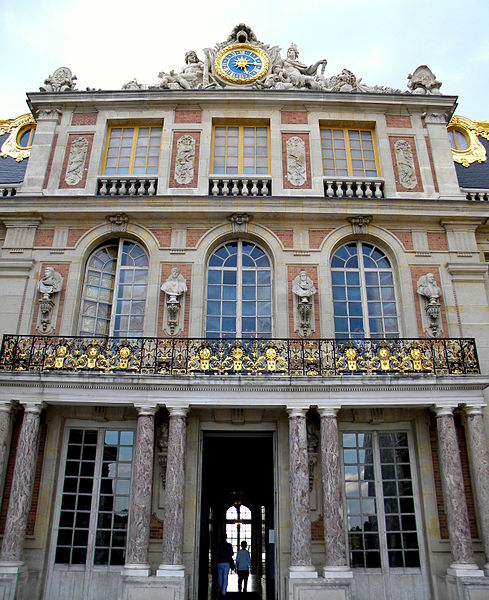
94 511
348 153
132 151
380 503
240 150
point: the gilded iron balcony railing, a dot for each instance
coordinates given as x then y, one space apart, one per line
234 357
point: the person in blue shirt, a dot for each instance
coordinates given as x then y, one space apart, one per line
243 566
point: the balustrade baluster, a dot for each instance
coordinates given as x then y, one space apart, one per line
378 189
152 187
215 187
113 187
244 191
103 187
132 187
349 189
225 187
123 188
368 189
235 190
339 189
142 187
254 187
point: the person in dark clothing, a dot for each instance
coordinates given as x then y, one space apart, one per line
225 563
243 566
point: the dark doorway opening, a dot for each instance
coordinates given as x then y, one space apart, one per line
238 501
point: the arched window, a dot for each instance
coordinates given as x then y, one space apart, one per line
363 292
238 526
239 292
114 291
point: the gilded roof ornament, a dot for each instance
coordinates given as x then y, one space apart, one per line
475 151
16 128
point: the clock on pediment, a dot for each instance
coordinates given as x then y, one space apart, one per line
241 63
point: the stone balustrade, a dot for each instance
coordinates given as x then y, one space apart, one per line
353 187
127 186
240 186
477 195
8 191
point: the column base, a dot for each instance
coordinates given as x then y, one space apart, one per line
467 588
170 571
464 570
153 588
303 572
132 570
338 588
340 572
13 580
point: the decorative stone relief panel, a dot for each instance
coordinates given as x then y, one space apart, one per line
429 294
405 164
185 159
76 161
296 161
75 164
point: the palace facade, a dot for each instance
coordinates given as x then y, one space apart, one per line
250 301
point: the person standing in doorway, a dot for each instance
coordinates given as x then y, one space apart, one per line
225 563
243 566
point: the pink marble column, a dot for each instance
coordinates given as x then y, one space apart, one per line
454 494
137 562
332 483
22 486
172 555
5 431
300 513
479 462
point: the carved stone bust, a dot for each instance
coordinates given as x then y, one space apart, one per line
51 283
303 287
175 285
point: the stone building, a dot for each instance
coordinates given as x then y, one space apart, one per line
249 299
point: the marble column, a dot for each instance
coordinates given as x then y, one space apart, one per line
22 486
5 431
479 462
300 513
137 562
332 484
454 495
172 554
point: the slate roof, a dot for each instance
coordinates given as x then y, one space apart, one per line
11 171
477 175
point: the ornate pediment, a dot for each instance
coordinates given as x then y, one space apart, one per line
242 61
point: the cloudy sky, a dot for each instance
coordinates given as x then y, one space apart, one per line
108 42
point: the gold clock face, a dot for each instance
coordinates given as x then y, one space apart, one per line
241 63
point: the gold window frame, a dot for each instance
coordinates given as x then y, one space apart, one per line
240 125
136 127
346 131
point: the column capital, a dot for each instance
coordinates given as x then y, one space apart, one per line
443 410
33 407
7 406
473 409
328 411
296 411
146 409
178 411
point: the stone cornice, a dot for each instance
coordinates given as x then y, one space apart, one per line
311 99
209 391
